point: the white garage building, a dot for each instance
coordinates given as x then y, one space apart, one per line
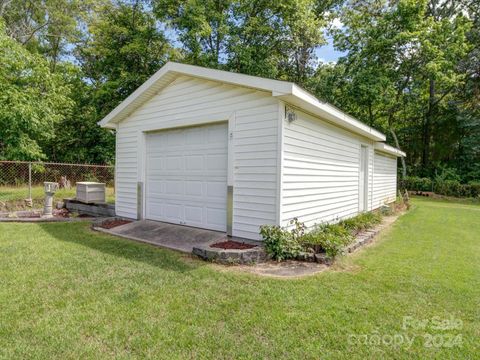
230 152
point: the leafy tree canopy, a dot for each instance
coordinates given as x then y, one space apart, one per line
32 101
410 68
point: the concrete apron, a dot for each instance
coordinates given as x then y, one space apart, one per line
170 236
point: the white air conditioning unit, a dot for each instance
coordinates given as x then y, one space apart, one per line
90 192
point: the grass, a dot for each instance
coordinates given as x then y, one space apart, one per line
67 292
12 193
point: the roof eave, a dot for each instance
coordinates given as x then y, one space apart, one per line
309 103
382 147
121 111
114 115
287 91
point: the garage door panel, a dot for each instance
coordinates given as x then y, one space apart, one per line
216 162
216 190
194 162
174 163
174 187
194 188
195 136
194 214
187 176
215 135
175 138
173 211
216 216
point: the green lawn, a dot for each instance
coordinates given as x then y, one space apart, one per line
67 292
12 193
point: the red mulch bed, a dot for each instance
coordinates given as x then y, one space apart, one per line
232 245
108 224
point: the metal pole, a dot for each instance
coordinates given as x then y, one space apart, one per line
30 181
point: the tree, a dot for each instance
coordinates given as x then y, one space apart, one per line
124 49
401 69
32 101
203 27
275 39
78 138
49 27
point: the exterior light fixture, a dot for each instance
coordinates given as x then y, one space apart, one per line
290 115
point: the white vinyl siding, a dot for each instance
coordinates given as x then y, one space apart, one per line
384 179
189 101
320 181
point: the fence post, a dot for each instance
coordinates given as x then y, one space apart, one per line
30 182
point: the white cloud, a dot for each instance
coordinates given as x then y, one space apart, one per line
337 23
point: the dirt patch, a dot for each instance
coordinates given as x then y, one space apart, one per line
85 216
27 214
64 213
289 269
232 245
109 224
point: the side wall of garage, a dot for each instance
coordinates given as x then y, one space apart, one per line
321 171
254 141
384 179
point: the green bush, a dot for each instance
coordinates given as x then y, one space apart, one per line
442 186
448 188
454 188
415 183
362 221
474 188
281 243
328 238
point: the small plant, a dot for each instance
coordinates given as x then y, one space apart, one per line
90 177
362 221
281 243
328 238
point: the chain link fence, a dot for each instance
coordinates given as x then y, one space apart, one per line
21 182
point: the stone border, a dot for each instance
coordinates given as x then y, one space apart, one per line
231 256
361 239
44 220
258 255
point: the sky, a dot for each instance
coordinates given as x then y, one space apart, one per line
327 53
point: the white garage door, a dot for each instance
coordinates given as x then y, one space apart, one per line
187 176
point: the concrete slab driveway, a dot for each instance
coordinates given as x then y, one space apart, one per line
171 236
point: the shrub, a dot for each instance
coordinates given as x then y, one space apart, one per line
362 221
454 188
442 185
415 183
448 187
474 188
330 238
281 243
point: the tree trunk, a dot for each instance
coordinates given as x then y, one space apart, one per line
402 159
427 125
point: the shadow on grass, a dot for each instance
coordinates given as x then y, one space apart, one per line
81 234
